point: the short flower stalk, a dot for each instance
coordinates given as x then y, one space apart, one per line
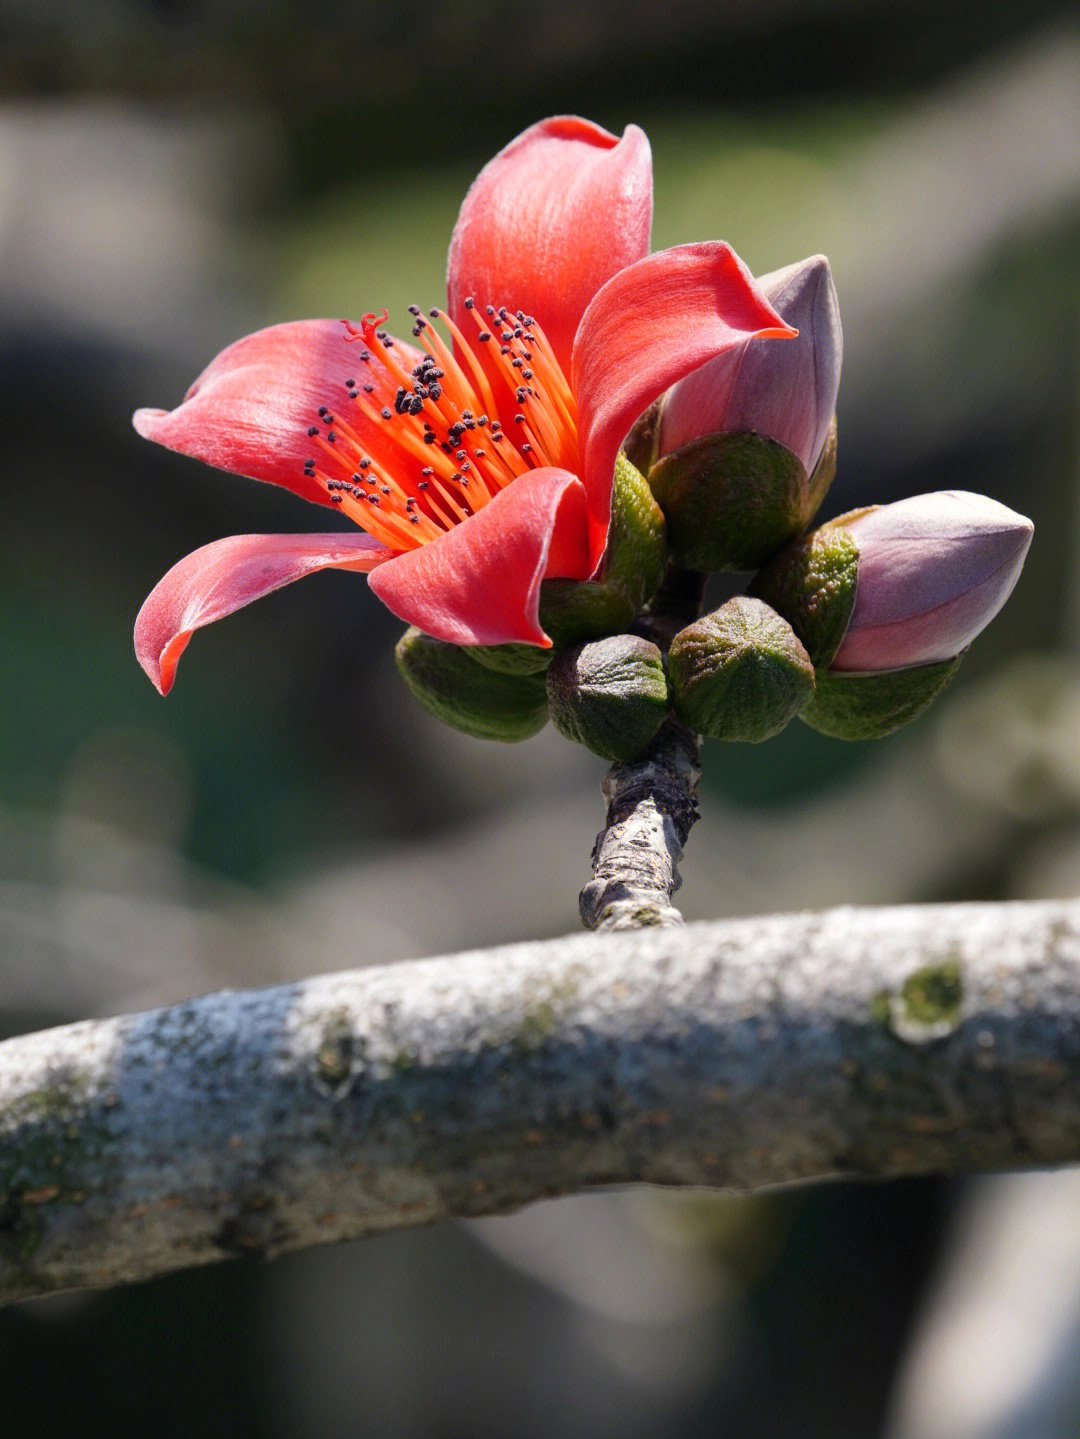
541 476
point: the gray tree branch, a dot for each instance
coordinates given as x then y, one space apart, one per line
739 1054
652 804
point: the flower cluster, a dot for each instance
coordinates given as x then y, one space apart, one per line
581 416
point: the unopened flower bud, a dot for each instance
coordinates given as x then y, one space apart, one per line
611 695
739 673
933 572
454 686
886 600
745 446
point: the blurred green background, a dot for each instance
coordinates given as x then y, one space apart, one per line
175 174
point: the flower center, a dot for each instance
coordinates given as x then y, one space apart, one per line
409 453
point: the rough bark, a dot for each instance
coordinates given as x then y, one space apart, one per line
652 800
740 1054
652 803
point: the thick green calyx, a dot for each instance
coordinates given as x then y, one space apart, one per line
610 695
868 704
512 659
573 611
455 687
739 673
812 584
731 501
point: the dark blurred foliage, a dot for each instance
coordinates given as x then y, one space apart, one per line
460 69
289 737
181 1355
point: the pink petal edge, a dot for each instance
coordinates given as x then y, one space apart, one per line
480 582
227 574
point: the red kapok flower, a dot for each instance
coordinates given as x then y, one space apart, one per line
479 465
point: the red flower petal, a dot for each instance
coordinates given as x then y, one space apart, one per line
480 582
223 576
556 213
650 325
250 409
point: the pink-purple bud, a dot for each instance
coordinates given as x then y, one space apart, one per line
785 390
933 571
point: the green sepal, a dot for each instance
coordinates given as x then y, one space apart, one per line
513 659
730 500
610 695
812 584
739 673
452 685
868 704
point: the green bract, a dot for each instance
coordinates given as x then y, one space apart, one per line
450 683
610 695
868 704
739 673
812 584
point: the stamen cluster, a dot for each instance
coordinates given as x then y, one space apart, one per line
413 452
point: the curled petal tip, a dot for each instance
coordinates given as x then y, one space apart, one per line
222 577
785 392
145 421
651 325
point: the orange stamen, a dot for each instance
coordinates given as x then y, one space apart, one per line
411 469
